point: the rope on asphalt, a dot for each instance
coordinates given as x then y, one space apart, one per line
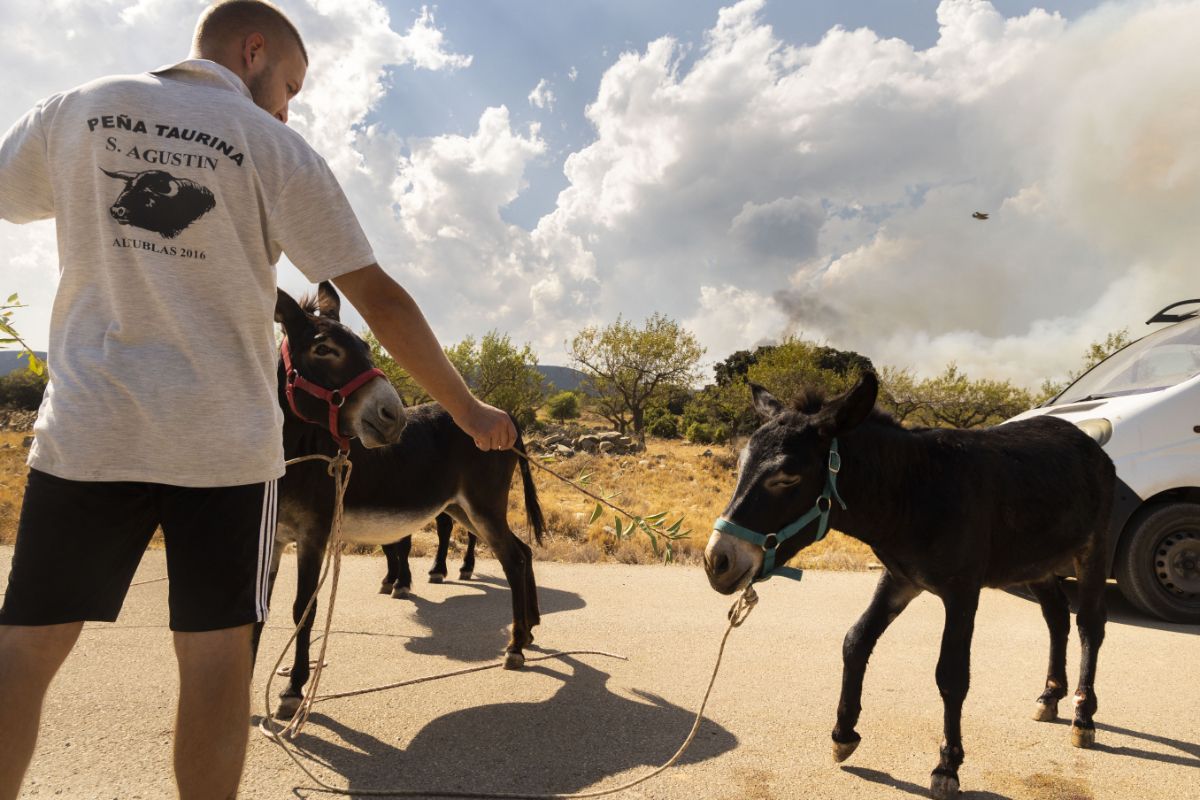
339 469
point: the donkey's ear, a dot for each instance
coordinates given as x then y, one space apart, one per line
287 311
765 403
329 303
847 411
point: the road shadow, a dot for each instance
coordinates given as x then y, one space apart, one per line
886 779
1120 610
1190 750
475 626
578 737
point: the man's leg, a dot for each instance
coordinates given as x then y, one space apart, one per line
214 707
78 545
29 658
219 543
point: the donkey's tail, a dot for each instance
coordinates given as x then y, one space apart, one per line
533 509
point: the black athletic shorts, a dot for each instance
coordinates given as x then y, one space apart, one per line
79 543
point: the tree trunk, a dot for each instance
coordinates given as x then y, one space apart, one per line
639 426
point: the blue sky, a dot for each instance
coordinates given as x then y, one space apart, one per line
755 169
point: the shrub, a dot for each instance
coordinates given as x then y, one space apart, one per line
705 433
563 406
22 389
665 427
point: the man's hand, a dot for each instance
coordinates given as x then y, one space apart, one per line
491 428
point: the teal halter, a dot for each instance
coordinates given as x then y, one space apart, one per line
770 542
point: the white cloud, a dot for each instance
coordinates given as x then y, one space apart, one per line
573 74
542 95
754 187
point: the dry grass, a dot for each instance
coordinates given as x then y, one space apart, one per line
12 482
671 476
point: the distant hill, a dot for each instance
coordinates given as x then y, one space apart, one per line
10 360
565 379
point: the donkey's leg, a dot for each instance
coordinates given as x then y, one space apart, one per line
892 595
513 555
533 610
468 566
1057 613
1090 620
445 525
308 572
953 680
393 568
403 583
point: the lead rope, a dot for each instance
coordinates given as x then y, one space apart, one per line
339 469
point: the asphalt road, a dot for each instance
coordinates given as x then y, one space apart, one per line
590 722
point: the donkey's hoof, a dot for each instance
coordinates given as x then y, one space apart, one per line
1045 712
514 660
1083 737
943 787
288 706
465 575
385 587
399 592
843 750
436 578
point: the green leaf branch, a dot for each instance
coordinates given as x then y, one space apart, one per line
9 335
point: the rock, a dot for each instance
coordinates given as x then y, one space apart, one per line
707 453
553 439
563 451
643 463
27 442
607 436
588 444
606 447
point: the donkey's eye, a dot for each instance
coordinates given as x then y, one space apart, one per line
783 481
323 350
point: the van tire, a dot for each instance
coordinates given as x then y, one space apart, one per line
1145 574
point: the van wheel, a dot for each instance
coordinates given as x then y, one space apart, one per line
1158 562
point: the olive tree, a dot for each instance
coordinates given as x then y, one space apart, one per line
629 367
497 371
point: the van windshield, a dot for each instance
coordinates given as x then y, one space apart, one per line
1164 358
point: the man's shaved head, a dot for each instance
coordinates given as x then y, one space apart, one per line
234 20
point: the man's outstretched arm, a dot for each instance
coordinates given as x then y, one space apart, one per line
394 318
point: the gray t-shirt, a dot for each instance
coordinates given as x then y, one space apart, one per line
174 196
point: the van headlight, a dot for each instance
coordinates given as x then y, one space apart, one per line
1099 429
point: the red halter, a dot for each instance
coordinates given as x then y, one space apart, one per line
336 398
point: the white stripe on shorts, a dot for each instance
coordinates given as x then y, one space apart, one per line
266 547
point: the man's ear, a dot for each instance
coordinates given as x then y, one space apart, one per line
288 312
846 411
765 403
329 302
252 49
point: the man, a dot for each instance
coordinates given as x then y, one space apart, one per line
175 192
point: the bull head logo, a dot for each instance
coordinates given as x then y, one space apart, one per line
157 201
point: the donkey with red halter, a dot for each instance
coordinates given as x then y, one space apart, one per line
945 511
396 487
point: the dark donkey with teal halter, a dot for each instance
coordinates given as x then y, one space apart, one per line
945 511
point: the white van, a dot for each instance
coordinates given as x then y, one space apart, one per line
1142 404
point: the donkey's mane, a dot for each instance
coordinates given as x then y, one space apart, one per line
811 399
308 304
